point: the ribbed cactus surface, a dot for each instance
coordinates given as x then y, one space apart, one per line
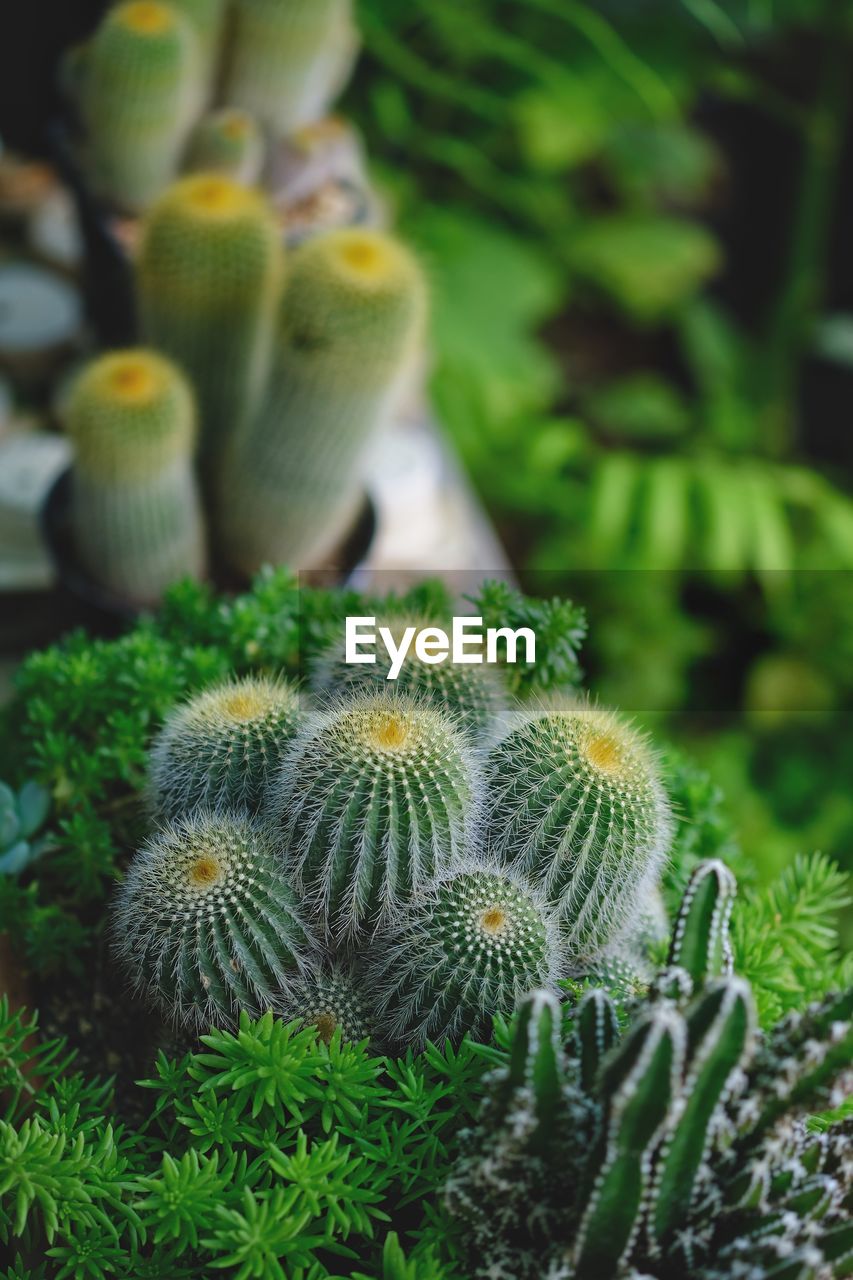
474 693
209 273
372 802
135 510
348 324
227 141
288 59
222 748
208 20
205 922
463 951
137 86
330 1000
576 805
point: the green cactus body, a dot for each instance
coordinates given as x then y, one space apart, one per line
578 808
330 1000
373 802
223 747
209 274
139 85
474 693
462 952
207 19
206 923
135 511
596 1029
349 322
700 939
227 141
289 58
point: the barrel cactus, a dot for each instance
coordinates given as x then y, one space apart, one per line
348 325
222 747
135 511
208 20
577 806
288 59
461 952
227 141
209 273
373 801
205 922
474 693
138 84
675 1148
331 1000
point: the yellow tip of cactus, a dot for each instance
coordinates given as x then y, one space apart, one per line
245 704
212 195
146 17
326 1026
493 920
236 125
130 377
204 872
366 256
389 733
603 753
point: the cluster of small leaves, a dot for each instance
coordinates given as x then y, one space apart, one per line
559 626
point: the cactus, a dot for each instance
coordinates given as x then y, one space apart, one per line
330 1000
207 19
349 321
474 694
687 1155
139 83
373 801
700 939
289 59
227 141
222 748
464 950
205 922
135 511
578 808
209 274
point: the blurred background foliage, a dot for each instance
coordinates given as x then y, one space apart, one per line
635 218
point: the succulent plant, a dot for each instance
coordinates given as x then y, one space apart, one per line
349 321
136 87
227 141
205 922
208 20
22 815
678 1148
209 274
475 694
331 1000
576 805
461 952
373 801
289 59
135 511
222 747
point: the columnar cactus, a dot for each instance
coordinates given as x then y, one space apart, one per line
687 1155
348 324
372 802
207 19
222 748
209 274
135 511
206 924
474 693
227 141
463 951
138 84
330 1000
577 806
700 938
289 59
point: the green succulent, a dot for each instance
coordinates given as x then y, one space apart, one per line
22 816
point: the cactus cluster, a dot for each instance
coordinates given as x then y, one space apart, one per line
135 511
227 141
677 1147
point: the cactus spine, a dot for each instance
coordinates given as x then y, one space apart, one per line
289 59
686 1152
700 939
135 511
474 694
460 953
578 808
139 84
205 922
228 142
330 1000
222 748
373 801
209 274
349 321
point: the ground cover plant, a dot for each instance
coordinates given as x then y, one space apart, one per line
356 1109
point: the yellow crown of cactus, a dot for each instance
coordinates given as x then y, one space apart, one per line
228 141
